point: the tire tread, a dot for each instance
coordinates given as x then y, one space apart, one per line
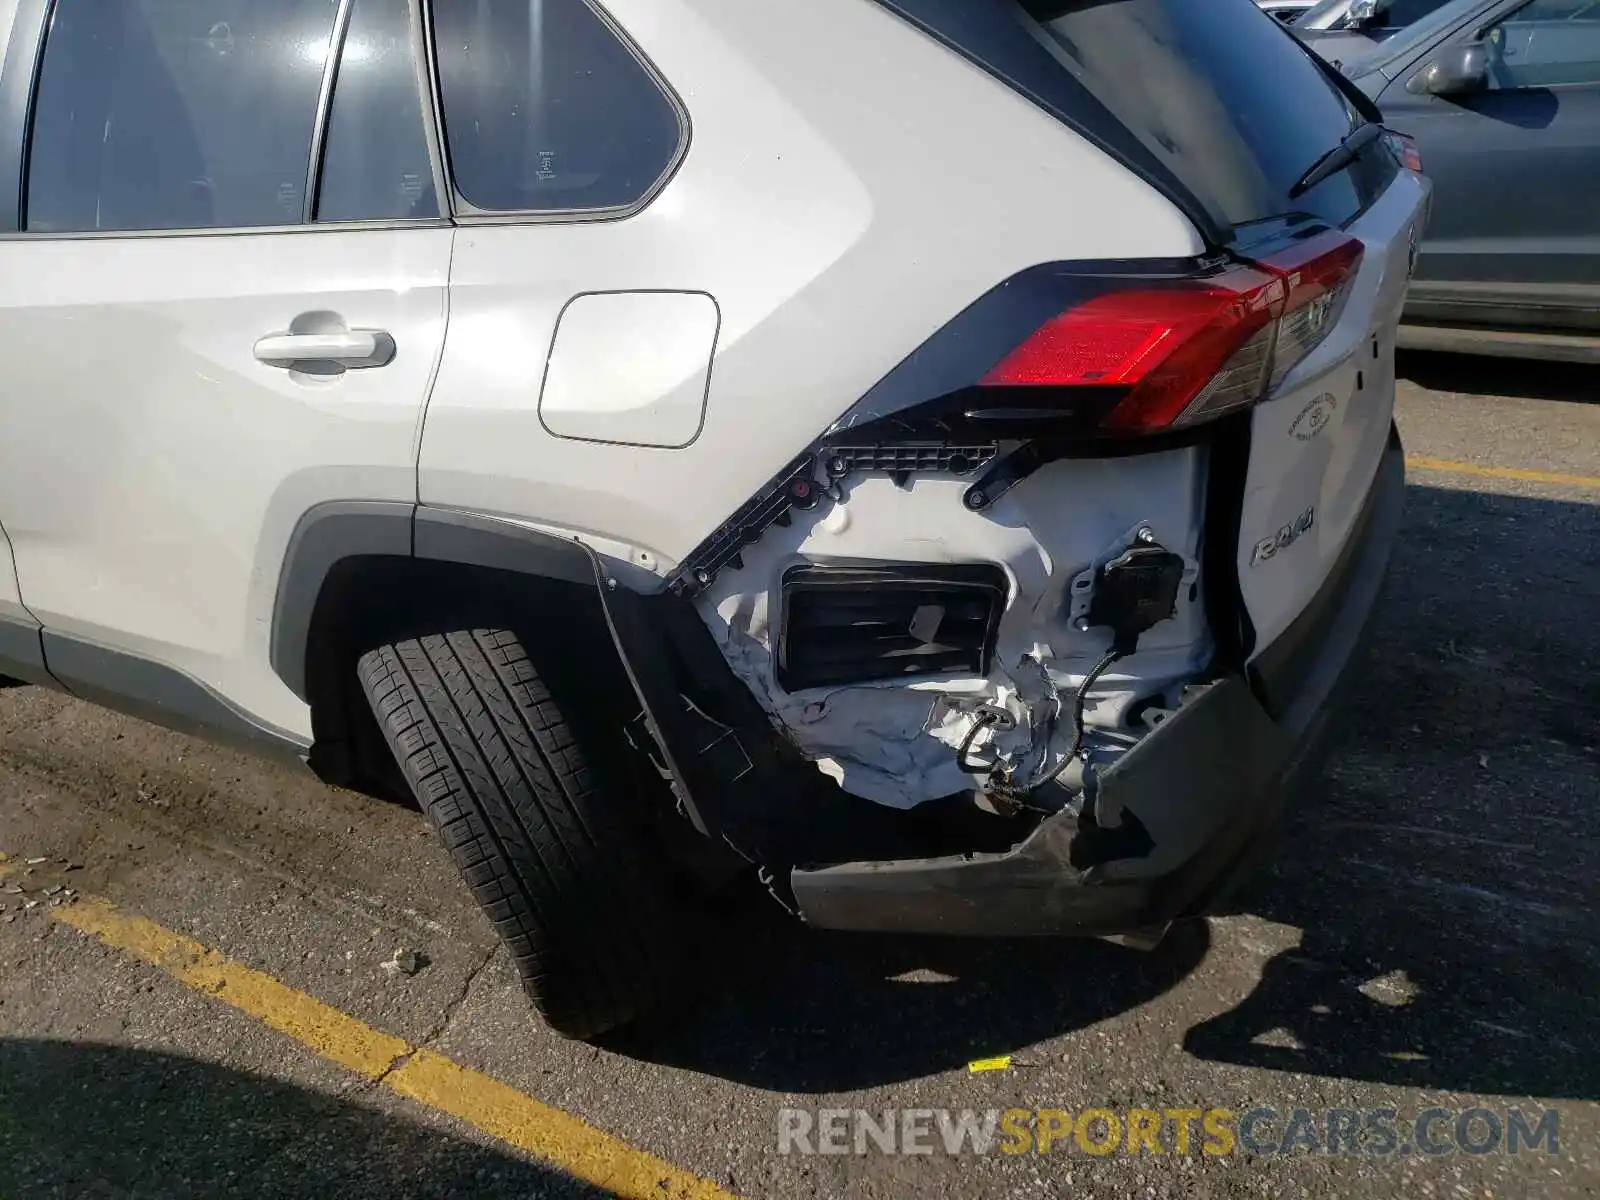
504 778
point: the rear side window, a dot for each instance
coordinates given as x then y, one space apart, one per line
547 109
175 114
1214 97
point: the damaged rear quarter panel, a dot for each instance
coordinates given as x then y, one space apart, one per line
894 742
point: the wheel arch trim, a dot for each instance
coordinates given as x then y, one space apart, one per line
338 531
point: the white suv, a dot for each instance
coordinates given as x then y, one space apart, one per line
933 455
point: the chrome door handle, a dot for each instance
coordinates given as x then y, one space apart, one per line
352 348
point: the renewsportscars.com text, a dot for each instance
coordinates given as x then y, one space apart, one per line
1375 1132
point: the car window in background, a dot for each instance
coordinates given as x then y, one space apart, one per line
1231 103
1390 14
1328 14
546 109
1548 43
1420 35
176 114
376 164
1397 14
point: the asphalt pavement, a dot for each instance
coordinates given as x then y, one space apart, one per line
194 999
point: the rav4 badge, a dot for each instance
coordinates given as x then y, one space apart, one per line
1270 547
1314 417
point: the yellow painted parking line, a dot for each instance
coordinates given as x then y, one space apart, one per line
418 1073
1445 466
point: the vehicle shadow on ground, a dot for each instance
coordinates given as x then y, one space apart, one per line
78 1119
1448 907
834 1012
1482 375
1446 882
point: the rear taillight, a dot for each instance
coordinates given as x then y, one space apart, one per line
1318 274
1405 150
1192 351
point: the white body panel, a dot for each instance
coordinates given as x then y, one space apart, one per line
829 255
151 470
1324 461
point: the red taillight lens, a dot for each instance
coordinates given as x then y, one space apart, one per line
1316 266
1191 351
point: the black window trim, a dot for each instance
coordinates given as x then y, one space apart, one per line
467 213
19 86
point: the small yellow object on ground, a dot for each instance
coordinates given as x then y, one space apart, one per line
1002 1063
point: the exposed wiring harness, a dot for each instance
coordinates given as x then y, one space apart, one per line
988 716
1078 698
1132 593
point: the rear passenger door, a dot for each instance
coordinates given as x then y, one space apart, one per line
223 272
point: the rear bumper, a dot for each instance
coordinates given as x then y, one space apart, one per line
1206 788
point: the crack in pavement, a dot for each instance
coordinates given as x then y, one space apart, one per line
435 1031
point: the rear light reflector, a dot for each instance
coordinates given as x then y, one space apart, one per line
1405 149
1318 273
1192 351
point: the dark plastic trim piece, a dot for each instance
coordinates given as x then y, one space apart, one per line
22 653
468 539
324 536
1197 787
334 532
162 695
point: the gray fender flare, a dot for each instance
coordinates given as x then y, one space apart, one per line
334 532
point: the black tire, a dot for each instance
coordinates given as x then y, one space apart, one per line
557 860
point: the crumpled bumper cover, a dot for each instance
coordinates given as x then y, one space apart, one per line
1200 787
1206 786
1201 792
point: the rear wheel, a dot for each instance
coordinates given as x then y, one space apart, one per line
557 859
